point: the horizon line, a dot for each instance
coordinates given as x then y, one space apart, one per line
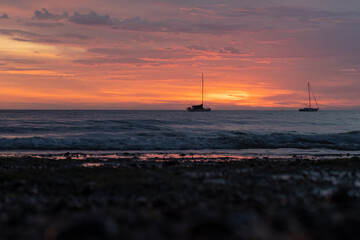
95 109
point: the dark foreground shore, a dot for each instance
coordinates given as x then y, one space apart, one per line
179 199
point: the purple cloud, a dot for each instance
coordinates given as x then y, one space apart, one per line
23 36
144 25
160 54
197 48
302 14
232 50
44 14
21 61
4 16
75 35
15 32
43 40
178 26
92 18
44 24
102 61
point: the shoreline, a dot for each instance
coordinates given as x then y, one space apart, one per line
229 154
179 198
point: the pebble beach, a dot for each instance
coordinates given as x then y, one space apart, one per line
178 198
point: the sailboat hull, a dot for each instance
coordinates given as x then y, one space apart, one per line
199 110
308 109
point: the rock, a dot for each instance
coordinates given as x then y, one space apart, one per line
91 227
341 195
211 230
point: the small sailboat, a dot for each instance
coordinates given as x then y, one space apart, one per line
200 108
309 108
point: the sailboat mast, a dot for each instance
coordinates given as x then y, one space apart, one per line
309 94
314 97
202 87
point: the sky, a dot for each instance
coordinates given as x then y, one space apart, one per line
150 54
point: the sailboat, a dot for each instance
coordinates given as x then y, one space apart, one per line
309 108
200 108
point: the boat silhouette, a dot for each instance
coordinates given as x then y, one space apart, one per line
309 108
200 107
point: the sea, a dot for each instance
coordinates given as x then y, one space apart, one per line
241 133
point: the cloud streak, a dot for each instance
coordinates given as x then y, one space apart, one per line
44 24
104 61
177 26
12 32
299 14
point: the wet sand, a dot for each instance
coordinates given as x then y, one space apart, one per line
180 198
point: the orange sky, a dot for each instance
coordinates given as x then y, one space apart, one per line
150 54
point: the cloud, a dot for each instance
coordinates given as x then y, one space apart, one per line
4 16
307 14
232 50
140 53
44 14
42 24
12 32
92 18
144 25
197 48
20 35
224 50
41 40
21 61
75 35
21 69
178 26
24 36
301 14
218 26
102 61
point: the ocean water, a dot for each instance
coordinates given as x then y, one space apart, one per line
178 130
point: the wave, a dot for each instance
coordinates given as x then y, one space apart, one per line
172 140
84 126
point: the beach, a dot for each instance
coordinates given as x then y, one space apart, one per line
186 197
